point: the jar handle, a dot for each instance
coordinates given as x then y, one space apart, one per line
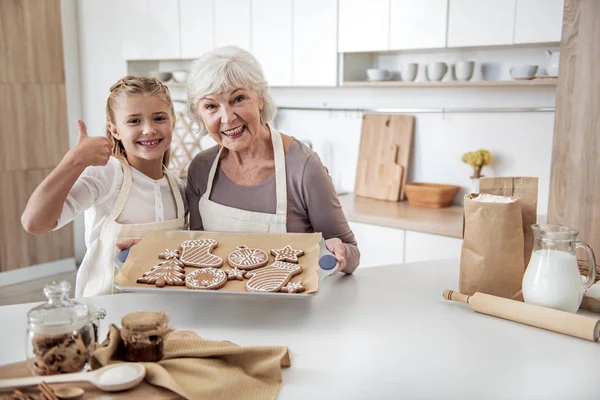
591 262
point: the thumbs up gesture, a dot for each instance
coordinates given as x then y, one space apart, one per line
91 151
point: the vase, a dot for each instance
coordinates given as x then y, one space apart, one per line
474 185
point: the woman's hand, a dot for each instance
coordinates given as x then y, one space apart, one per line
336 246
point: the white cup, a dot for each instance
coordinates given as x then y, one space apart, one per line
464 70
436 71
409 72
375 74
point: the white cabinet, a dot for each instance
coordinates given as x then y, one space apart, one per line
480 22
378 245
314 43
538 21
427 247
364 25
232 23
150 29
197 27
272 39
418 24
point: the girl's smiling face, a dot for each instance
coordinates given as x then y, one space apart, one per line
144 124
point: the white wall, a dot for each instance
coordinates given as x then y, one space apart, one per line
101 65
521 142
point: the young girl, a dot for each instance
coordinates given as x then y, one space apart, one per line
120 181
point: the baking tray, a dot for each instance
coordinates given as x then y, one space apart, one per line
326 265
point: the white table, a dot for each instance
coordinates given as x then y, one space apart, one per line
383 333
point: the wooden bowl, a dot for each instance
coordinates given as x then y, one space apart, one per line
435 195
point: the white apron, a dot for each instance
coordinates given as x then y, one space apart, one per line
220 218
96 273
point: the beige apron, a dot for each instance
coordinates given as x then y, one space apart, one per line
96 273
220 218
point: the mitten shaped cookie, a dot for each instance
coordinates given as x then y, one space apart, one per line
272 278
196 253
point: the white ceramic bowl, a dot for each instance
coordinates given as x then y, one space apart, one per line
374 74
180 76
163 76
436 71
464 70
523 71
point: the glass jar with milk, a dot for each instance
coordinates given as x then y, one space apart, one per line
552 278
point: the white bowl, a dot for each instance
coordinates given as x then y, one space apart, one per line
163 76
374 74
523 71
436 71
464 70
180 76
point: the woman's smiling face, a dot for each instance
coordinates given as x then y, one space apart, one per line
232 118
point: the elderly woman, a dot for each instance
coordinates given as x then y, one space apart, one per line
257 179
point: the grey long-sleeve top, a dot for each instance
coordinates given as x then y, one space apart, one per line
312 203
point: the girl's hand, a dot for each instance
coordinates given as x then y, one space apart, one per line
125 244
91 151
336 246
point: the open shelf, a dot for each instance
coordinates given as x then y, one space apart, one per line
425 84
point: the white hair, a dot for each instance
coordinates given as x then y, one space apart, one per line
224 69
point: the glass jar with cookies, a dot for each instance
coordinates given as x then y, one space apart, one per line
60 334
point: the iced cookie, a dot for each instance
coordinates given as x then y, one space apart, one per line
247 259
293 287
206 278
196 253
272 278
235 273
169 273
169 254
287 254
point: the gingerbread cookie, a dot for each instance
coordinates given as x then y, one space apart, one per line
235 273
293 287
272 278
287 254
206 278
247 259
196 253
169 254
170 272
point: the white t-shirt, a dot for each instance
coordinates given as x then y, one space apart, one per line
96 191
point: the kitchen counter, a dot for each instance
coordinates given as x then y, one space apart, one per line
440 221
382 333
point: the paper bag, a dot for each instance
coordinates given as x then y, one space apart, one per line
492 251
526 189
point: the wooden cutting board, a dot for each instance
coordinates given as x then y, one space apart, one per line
385 146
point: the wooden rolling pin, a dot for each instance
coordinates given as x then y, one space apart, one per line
542 317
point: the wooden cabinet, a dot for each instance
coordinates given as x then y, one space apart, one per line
538 21
480 22
232 23
426 247
196 27
314 43
378 245
364 25
153 34
418 24
272 39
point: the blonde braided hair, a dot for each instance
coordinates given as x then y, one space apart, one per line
135 86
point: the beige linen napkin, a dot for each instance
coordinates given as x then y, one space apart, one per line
196 368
